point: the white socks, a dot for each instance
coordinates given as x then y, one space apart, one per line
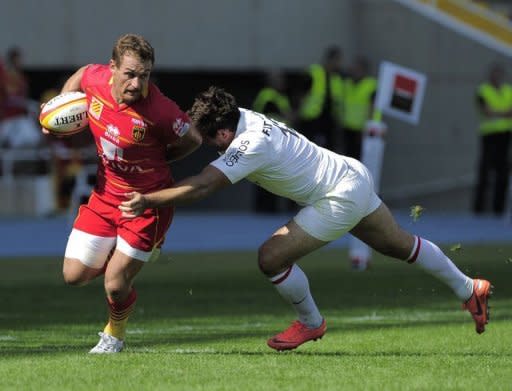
430 258
293 286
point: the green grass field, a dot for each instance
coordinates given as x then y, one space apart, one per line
202 320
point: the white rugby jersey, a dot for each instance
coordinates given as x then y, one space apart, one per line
280 160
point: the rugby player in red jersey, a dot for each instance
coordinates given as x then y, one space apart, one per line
136 129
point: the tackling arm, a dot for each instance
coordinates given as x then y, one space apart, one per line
188 190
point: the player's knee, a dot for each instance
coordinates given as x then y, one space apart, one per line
75 273
74 278
268 262
116 290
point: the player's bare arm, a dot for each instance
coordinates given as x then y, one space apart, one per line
185 145
73 83
188 190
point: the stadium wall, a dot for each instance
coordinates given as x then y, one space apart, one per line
230 43
435 162
187 34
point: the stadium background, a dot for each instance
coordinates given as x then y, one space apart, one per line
231 43
204 310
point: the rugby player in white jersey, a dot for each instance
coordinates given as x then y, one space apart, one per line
336 194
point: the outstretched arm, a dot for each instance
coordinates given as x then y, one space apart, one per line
188 190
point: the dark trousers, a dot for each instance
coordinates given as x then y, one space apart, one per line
494 151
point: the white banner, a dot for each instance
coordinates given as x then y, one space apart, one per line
400 92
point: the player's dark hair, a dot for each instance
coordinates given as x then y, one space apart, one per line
214 109
132 43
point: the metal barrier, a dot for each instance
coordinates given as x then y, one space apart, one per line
85 181
29 193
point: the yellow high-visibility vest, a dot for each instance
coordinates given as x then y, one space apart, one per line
499 100
358 102
313 103
270 95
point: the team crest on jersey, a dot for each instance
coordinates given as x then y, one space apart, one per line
95 108
138 133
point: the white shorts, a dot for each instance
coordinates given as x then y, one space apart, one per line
93 250
343 207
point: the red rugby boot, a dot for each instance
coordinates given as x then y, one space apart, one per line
477 304
296 335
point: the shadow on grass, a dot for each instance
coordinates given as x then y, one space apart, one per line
199 342
224 286
349 354
144 349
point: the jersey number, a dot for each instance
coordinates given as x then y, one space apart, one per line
283 128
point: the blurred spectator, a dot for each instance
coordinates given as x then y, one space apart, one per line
18 128
321 108
68 160
69 156
273 102
359 93
272 99
494 100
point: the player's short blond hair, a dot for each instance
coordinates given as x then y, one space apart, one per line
135 44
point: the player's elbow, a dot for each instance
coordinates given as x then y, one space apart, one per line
189 144
192 139
74 279
196 140
75 274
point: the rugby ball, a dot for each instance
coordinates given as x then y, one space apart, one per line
65 114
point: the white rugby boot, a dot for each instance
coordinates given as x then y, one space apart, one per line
107 344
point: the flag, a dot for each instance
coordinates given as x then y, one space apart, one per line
404 93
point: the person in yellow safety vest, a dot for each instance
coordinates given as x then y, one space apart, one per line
494 100
272 101
359 94
321 108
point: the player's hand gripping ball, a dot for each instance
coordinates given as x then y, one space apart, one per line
65 114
